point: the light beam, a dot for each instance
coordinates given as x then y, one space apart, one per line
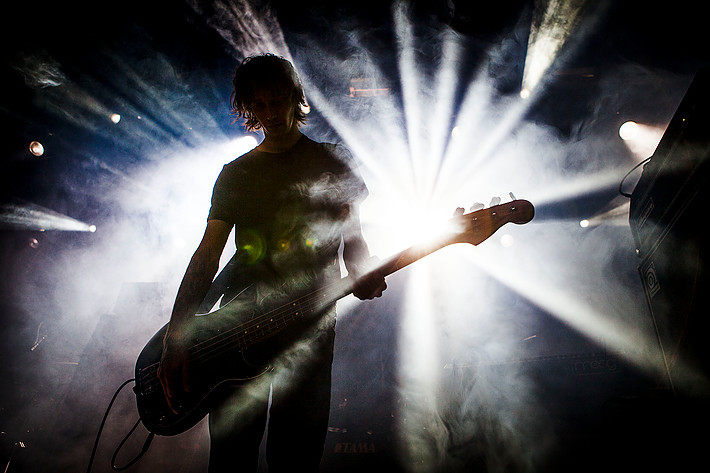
28 216
553 23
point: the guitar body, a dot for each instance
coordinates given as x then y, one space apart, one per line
206 381
227 348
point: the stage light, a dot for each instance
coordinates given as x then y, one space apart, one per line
92 228
640 138
36 148
618 216
628 130
115 118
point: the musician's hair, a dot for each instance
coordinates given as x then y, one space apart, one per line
265 70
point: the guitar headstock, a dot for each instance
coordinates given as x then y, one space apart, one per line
475 227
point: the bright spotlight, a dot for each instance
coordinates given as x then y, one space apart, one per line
36 148
629 130
641 139
115 118
525 93
617 216
92 228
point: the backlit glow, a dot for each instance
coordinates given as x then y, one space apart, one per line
628 130
641 139
438 139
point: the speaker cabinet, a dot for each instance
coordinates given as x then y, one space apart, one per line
668 212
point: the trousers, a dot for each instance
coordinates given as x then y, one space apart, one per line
295 401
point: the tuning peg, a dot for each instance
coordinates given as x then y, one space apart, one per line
512 197
458 212
494 201
477 206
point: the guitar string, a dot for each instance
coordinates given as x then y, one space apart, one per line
225 342
257 328
242 335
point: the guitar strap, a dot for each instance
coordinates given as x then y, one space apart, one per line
236 275
226 285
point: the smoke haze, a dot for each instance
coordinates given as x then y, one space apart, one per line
465 362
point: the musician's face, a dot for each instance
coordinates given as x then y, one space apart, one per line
275 110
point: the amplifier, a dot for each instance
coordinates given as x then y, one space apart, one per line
668 208
676 173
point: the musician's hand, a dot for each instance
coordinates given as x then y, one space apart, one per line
173 371
370 284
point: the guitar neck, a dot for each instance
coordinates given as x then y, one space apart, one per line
410 255
391 265
474 228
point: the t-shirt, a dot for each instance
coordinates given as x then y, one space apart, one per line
289 208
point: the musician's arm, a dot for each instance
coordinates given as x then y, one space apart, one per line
357 259
199 274
198 277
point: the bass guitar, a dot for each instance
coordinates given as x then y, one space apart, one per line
224 341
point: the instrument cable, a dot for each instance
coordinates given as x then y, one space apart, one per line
146 444
626 176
